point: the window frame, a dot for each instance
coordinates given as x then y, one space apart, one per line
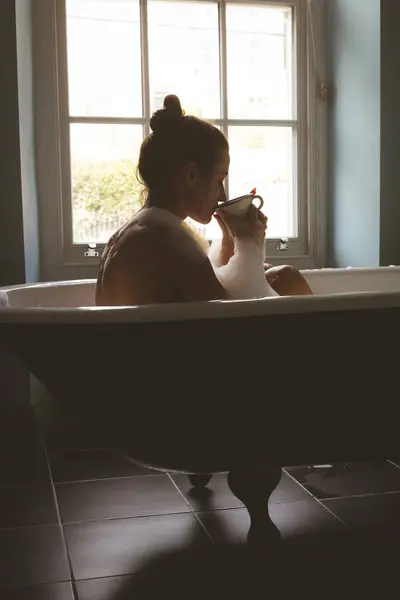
60 259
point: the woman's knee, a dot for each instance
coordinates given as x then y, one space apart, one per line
287 281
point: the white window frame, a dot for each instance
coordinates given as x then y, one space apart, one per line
60 259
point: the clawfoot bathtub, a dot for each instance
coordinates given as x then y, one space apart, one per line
239 386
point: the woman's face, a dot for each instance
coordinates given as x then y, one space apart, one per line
207 191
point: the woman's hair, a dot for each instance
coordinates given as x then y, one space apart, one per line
175 140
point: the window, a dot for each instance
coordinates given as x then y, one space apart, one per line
244 66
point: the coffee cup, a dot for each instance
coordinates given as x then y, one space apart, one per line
239 206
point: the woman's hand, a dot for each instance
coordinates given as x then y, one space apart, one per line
251 226
226 249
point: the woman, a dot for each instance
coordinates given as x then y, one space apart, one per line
154 258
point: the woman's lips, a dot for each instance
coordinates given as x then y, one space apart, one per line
218 205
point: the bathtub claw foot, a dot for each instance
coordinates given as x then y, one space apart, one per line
254 487
199 479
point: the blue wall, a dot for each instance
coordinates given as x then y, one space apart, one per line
27 139
354 34
390 133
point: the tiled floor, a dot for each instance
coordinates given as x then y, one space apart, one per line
88 524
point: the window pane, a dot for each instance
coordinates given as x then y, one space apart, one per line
259 52
105 191
104 67
183 55
262 157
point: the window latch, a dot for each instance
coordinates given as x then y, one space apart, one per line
91 251
283 244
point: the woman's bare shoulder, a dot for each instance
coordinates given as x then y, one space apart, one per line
135 269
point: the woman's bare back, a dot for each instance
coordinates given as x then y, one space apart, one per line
154 259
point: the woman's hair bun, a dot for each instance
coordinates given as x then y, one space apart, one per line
169 116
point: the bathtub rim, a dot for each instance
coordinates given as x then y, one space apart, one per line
216 309
333 271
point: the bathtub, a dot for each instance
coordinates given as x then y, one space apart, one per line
239 386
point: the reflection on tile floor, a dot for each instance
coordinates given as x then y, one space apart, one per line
349 479
90 525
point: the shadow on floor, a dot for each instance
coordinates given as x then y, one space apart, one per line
331 564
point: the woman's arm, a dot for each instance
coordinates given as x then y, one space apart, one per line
196 279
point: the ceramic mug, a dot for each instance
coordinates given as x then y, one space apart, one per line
239 206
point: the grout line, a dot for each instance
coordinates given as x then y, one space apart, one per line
242 506
108 478
102 577
130 459
218 510
319 501
119 576
106 519
200 522
180 493
192 510
63 537
194 513
391 462
368 495
127 517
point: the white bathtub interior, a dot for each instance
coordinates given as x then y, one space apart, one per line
80 293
